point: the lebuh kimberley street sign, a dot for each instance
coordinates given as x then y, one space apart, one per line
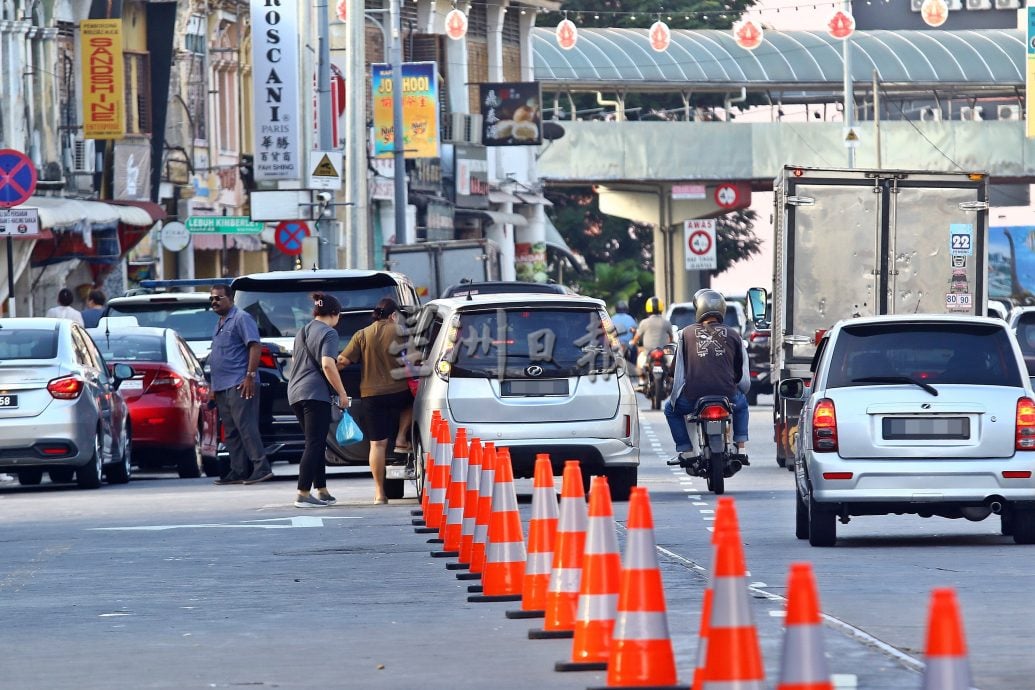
223 225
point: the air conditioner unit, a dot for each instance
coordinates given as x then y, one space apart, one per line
915 5
930 114
979 4
972 113
1009 4
465 128
84 156
1008 112
954 5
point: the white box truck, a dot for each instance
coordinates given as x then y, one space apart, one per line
434 266
861 243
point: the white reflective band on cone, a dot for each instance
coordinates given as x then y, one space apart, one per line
597 607
730 603
505 552
481 533
601 537
459 470
504 501
636 625
437 496
640 550
544 503
485 485
574 515
947 673
539 563
565 580
733 685
803 659
467 527
455 516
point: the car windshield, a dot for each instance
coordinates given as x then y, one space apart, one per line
193 321
125 347
281 313
511 342
27 344
683 316
936 353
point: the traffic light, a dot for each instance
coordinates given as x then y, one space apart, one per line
247 171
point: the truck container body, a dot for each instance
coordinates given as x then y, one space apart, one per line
434 266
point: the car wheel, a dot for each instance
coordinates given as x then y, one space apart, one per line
801 516
418 464
1006 523
120 472
210 466
1024 526
621 480
30 477
395 488
822 525
89 475
189 462
61 476
752 397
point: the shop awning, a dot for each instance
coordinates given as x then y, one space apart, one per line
534 198
56 212
98 214
498 196
214 242
138 213
494 217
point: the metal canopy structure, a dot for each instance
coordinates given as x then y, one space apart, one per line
790 65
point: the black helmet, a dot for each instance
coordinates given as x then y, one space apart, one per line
709 302
622 307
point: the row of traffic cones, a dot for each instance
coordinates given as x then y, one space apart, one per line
613 609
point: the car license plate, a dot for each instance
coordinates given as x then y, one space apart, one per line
926 428
657 371
8 401
132 385
527 387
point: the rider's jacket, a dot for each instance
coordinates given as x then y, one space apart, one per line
709 361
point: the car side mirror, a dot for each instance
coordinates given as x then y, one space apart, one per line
793 389
121 372
757 300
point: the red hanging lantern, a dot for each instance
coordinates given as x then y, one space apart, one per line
456 24
841 25
660 36
934 12
342 9
747 34
567 34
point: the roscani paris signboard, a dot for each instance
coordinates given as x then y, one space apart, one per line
276 99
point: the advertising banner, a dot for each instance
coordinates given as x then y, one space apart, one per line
276 103
511 115
419 109
471 176
104 91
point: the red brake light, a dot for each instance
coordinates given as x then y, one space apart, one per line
165 379
1016 474
657 355
818 335
266 358
824 427
837 475
65 388
714 412
1025 434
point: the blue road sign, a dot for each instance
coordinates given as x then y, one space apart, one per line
289 235
17 178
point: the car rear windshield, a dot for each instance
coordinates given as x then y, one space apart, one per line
124 347
512 342
931 353
682 317
279 313
27 344
191 321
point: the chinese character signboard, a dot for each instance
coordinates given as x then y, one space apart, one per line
104 92
276 99
471 176
420 110
511 114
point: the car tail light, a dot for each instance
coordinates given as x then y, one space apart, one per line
445 362
1025 435
628 426
65 388
1016 474
714 413
837 475
824 427
266 358
758 335
54 449
165 380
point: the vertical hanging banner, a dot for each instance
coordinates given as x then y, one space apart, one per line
420 110
1029 82
275 80
104 92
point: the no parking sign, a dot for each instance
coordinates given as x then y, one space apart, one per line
289 235
699 243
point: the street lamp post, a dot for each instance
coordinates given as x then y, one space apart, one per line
328 244
849 95
401 231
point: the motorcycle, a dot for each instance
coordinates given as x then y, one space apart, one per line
711 430
659 377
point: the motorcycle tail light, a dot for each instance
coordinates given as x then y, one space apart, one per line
657 356
65 388
714 413
1025 434
824 427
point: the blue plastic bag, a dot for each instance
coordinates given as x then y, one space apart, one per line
348 432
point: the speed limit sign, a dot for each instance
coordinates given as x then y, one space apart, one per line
699 243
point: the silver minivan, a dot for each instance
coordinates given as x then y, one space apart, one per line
535 373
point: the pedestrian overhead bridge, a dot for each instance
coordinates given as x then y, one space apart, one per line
925 81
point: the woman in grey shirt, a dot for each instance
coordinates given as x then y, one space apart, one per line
311 380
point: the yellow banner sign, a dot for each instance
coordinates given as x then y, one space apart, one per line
104 91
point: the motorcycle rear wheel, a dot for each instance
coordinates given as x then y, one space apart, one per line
716 473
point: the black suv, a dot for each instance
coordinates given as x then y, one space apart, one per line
280 304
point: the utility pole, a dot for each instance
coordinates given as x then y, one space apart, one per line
849 89
328 247
356 136
402 233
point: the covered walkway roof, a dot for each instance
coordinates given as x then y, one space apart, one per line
986 62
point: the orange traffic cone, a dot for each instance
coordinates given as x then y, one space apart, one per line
734 656
481 523
455 497
702 639
423 467
542 531
641 649
725 518
435 515
947 666
505 548
562 595
474 475
804 665
599 589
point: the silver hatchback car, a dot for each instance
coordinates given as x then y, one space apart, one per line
536 373
60 409
929 415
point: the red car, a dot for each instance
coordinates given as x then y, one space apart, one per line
171 422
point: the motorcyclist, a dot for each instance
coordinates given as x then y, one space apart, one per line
654 331
625 325
711 359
